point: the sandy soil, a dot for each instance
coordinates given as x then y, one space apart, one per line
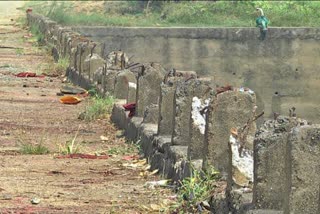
31 113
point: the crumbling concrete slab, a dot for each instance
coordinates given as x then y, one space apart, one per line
119 116
270 168
287 155
147 131
151 114
184 94
303 168
92 64
229 109
122 80
197 147
148 87
133 127
110 81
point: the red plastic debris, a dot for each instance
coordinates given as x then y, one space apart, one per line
83 156
29 74
130 107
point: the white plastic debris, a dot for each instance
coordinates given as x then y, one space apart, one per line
198 119
245 163
152 184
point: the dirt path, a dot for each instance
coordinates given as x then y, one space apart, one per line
31 114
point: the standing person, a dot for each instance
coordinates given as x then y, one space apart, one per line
262 23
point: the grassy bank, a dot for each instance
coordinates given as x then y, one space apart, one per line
180 13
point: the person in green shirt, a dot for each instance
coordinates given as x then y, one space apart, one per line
262 23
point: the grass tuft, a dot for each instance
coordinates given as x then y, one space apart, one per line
195 189
99 107
30 149
61 66
70 147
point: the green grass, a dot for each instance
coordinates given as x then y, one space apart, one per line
37 35
30 149
61 66
98 107
185 13
195 189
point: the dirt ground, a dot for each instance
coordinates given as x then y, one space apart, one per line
31 113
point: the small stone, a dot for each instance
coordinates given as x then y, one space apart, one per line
35 201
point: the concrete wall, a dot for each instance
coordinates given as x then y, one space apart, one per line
285 159
283 70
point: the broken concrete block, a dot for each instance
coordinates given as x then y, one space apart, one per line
303 170
122 83
148 87
269 158
92 64
286 171
117 60
175 161
119 116
147 131
166 105
132 131
98 76
151 114
184 94
110 78
229 109
198 122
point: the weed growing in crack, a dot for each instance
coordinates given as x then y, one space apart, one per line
195 190
70 147
99 107
30 149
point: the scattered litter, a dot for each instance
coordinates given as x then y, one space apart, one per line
70 100
153 184
35 201
130 107
29 74
83 156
